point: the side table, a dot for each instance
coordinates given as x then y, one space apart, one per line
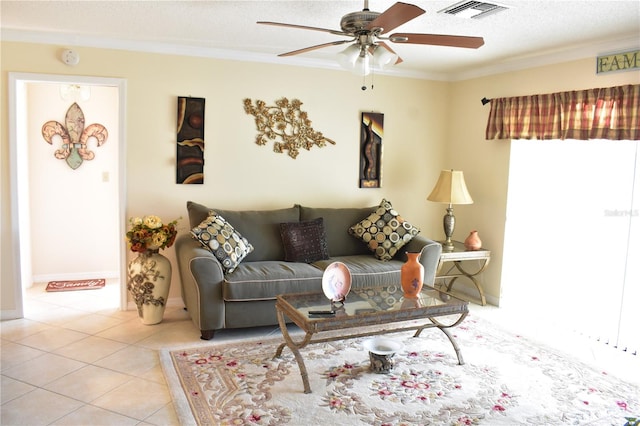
458 255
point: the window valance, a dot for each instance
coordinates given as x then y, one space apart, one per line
607 113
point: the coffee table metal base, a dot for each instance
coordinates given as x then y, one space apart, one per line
308 338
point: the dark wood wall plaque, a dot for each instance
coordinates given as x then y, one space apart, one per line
371 132
190 137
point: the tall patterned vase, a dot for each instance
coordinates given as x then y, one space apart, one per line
412 276
148 281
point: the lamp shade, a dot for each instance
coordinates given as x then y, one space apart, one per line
383 57
347 58
450 189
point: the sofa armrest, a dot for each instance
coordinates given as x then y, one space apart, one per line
429 258
201 278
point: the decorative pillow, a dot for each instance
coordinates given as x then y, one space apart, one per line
226 244
384 231
304 241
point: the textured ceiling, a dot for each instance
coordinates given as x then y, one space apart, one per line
528 33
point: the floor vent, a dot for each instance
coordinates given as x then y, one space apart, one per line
473 9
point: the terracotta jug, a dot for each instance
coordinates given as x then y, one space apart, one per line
473 241
411 276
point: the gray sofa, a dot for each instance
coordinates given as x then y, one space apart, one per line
245 297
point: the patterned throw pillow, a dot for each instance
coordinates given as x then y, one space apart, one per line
226 244
304 241
384 231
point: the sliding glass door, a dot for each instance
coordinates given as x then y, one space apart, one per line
572 238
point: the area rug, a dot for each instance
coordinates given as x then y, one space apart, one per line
506 380
75 285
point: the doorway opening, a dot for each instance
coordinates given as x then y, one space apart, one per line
69 221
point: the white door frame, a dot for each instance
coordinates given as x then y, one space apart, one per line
22 267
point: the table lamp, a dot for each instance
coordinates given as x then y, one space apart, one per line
450 189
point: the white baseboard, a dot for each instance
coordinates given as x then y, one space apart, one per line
9 314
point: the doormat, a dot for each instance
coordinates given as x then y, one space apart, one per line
75 285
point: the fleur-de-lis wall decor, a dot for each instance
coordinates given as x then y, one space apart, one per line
286 125
74 136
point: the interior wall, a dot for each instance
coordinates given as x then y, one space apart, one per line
486 163
239 173
69 206
428 126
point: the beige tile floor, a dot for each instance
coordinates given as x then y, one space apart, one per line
76 359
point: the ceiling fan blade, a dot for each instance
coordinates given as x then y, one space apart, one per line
386 46
395 16
303 27
318 46
438 40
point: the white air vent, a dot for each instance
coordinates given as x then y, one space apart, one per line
473 9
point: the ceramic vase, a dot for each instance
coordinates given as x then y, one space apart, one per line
148 282
411 276
473 241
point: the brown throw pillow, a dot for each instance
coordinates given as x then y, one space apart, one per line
304 241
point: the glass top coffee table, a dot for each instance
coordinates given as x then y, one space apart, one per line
366 312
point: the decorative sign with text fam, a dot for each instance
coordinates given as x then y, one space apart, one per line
74 137
190 137
624 61
371 132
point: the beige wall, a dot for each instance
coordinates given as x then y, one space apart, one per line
486 163
239 173
428 126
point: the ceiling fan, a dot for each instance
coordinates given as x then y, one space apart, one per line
366 30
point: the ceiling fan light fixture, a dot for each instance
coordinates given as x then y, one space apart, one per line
362 65
368 50
347 58
356 59
383 57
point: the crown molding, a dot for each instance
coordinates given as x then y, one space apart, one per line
497 67
551 57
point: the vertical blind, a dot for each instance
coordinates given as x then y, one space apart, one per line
611 113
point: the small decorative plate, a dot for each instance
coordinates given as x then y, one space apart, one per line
336 281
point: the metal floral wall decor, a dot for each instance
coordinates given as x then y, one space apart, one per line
286 125
75 136
371 133
190 138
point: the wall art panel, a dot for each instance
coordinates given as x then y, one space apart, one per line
371 132
190 137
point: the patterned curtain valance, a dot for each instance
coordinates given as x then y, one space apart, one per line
610 113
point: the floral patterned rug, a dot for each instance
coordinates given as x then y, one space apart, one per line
506 380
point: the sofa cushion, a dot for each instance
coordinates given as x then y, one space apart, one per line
226 244
265 280
304 241
384 231
336 225
366 270
197 213
261 227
